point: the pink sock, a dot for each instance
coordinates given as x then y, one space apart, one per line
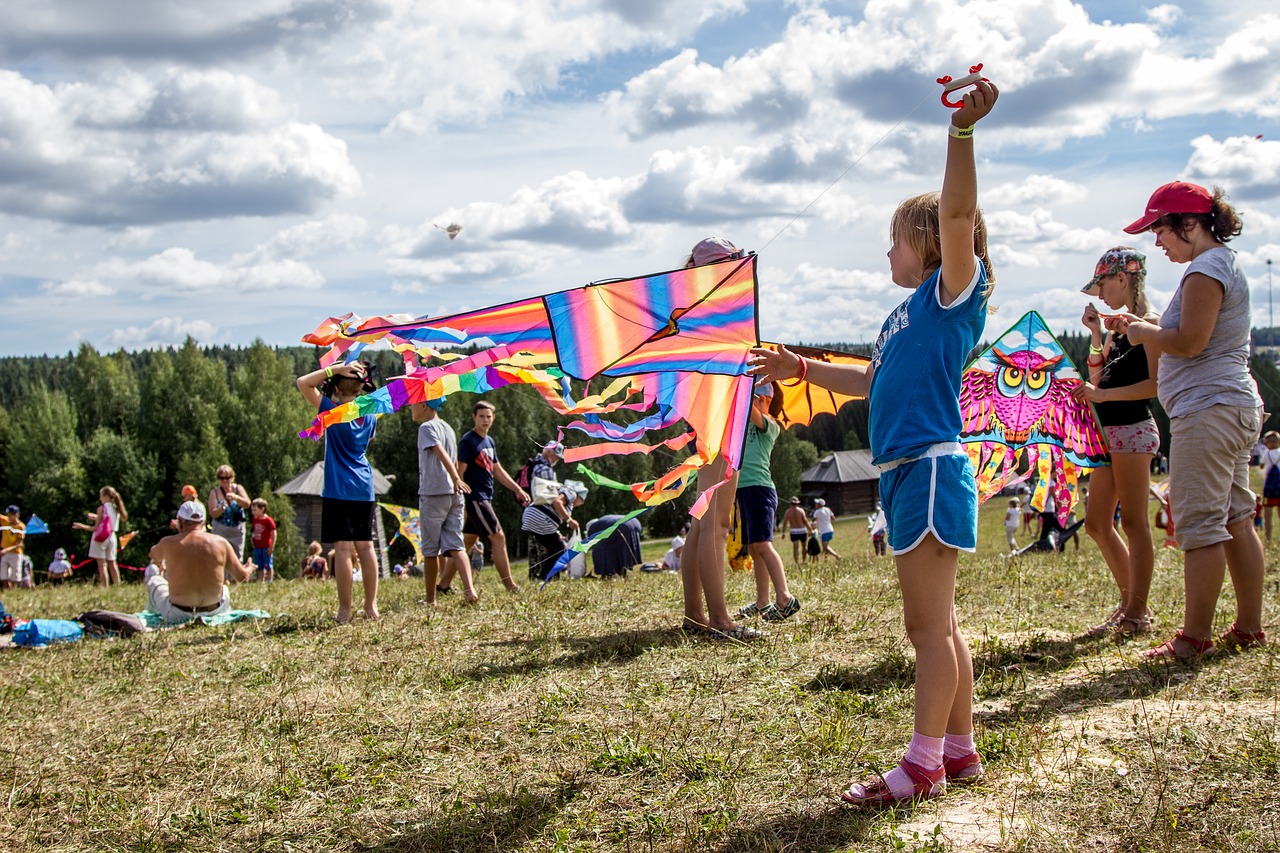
925 752
958 746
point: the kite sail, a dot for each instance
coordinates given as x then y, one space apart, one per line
35 526
409 527
1019 418
671 346
803 401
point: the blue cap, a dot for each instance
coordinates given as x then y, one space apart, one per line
436 403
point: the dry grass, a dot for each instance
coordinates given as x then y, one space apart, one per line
576 720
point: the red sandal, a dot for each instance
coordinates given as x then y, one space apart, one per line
1236 640
875 794
965 770
1167 651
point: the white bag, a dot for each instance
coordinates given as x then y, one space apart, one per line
577 567
543 492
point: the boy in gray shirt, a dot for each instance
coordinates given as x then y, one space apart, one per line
440 506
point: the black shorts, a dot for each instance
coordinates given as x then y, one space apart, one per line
757 506
346 521
799 537
481 519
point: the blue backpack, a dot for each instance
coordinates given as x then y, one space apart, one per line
1271 485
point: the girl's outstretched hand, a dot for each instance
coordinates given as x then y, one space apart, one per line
769 366
977 103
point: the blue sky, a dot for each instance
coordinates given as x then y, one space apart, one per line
245 169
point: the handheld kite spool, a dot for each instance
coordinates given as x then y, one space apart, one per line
949 85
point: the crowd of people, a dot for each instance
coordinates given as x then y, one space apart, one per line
1193 356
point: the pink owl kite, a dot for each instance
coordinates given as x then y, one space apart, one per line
1020 418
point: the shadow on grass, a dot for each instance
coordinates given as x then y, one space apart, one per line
894 670
500 822
836 828
583 651
1139 681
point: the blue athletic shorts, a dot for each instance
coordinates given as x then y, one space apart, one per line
757 507
828 536
934 495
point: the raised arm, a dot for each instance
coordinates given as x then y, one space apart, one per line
958 202
782 366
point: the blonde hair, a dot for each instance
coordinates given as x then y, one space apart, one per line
313 549
225 471
107 493
916 223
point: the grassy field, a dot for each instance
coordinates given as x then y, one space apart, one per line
576 719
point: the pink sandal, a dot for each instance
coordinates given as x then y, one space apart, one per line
1167 651
1236 640
875 794
966 770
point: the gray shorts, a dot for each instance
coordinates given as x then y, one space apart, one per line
1209 473
440 524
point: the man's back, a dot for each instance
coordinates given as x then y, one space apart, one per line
195 565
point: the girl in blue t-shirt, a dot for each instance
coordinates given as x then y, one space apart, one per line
939 250
348 501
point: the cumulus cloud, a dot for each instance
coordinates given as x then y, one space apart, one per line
1035 189
166 331
1246 167
77 289
195 145
178 270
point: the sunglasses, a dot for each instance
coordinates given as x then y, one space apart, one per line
224 478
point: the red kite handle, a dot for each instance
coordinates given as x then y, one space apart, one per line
949 85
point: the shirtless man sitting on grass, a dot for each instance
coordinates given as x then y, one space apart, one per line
187 575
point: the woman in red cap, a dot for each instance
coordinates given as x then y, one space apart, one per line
1214 410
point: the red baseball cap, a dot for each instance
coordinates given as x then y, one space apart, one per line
1175 197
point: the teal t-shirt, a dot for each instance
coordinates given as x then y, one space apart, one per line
756 453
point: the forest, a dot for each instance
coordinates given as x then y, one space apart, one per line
149 422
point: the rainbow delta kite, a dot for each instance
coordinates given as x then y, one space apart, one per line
673 346
1018 413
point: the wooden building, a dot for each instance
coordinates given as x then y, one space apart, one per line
846 480
304 493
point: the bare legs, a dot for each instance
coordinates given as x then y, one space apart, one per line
343 552
944 668
702 570
1127 483
1204 570
455 564
767 565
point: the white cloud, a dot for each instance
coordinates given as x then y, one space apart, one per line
1037 189
194 145
166 331
77 289
1247 168
179 270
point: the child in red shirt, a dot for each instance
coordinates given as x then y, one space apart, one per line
264 540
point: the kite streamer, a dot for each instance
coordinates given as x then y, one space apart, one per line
1020 418
674 344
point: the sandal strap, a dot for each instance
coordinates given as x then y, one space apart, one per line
1201 646
1244 637
923 780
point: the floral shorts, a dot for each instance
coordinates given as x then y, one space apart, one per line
1142 437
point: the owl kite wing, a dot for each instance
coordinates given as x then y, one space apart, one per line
1073 424
978 418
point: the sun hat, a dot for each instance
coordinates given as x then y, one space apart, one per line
677 543
1116 260
191 511
574 489
713 249
795 500
1173 197
555 447
60 554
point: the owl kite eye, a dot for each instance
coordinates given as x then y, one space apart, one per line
1012 376
1036 379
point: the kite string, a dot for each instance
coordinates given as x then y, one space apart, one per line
849 169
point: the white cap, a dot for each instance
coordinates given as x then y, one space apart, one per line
191 511
819 502
677 543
